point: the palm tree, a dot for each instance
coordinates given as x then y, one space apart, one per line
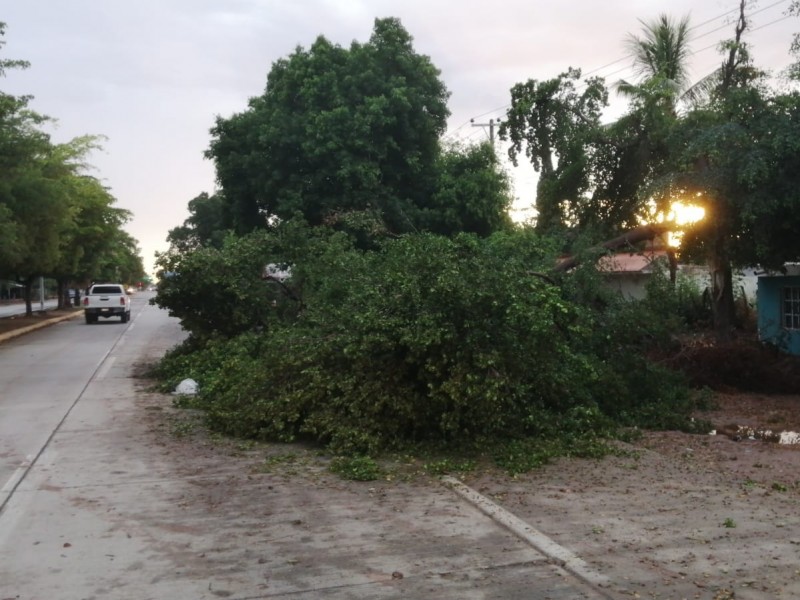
660 58
663 50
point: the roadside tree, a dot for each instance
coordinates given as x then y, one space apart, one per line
55 220
557 127
350 138
207 225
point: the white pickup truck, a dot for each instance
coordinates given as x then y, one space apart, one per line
106 300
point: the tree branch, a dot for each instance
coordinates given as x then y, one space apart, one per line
629 238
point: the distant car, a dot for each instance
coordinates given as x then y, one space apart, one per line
106 300
130 290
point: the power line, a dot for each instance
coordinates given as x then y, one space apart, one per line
783 18
706 22
491 125
707 33
747 16
630 56
470 120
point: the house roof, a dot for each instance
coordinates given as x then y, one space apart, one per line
630 262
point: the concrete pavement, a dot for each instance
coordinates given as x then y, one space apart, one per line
118 506
10 335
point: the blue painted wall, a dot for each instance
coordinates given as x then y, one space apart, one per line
770 324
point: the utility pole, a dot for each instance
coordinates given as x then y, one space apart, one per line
490 125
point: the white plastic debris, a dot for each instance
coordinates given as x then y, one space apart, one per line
790 437
187 387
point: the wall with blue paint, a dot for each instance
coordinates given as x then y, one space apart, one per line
770 311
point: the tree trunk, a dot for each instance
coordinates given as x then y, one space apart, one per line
62 294
722 305
27 291
673 266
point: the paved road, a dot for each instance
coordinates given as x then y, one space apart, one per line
101 501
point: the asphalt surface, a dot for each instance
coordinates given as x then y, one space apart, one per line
107 503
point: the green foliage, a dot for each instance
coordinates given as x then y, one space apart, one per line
429 340
472 194
524 455
350 138
337 130
207 224
557 127
55 220
387 339
218 291
733 149
356 468
446 465
749 144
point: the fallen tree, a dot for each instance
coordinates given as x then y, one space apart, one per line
629 238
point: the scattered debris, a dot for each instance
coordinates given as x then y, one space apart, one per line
187 387
742 432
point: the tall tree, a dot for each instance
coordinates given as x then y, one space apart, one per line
556 126
54 219
122 261
37 200
337 130
660 57
738 156
209 220
22 146
472 193
635 149
89 234
710 143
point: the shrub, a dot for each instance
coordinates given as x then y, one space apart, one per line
446 342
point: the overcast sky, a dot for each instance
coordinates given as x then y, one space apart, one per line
152 75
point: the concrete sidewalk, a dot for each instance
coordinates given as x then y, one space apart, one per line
118 506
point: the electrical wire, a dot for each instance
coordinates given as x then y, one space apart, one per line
630 56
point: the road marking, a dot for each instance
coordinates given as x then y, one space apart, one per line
105 367
15 478
532 536
12 482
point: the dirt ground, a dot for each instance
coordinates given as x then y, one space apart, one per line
675 515
679 515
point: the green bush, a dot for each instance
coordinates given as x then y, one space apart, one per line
444 342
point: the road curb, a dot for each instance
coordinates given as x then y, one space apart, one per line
4 337
559 555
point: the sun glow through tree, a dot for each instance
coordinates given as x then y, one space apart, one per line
682 214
